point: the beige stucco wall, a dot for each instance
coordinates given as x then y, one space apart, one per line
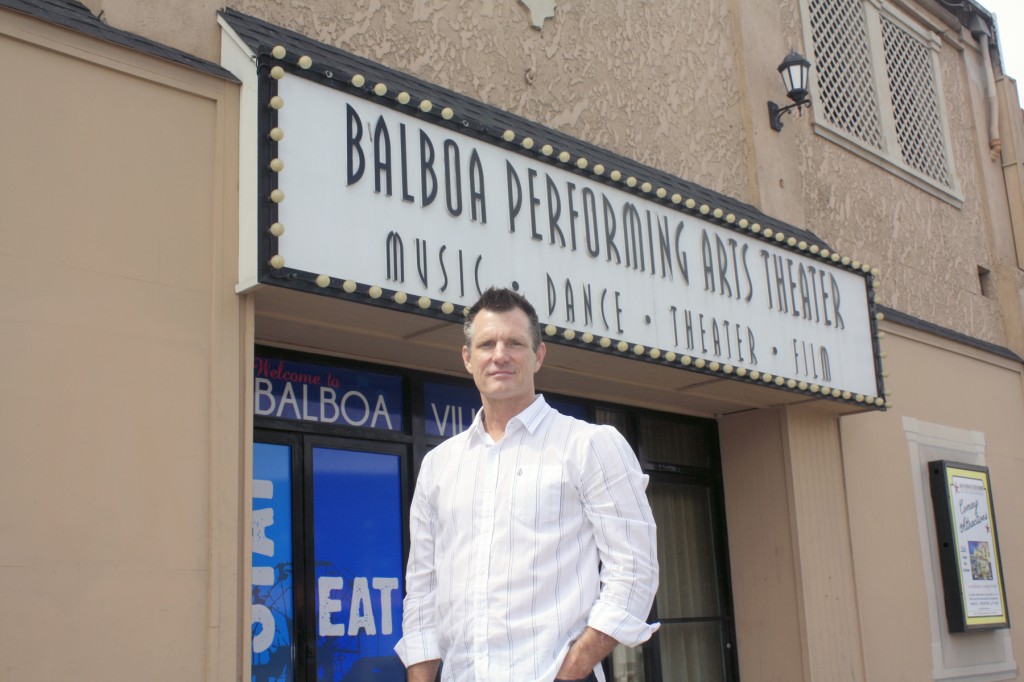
122 364
945 384
792 566
833 568
658 82
761 547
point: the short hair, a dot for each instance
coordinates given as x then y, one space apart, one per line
499 301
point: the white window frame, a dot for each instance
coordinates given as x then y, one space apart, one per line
889 157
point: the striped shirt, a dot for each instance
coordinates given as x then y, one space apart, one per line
518 545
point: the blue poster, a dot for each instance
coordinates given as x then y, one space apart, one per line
448 409
287 389
272 604
358 571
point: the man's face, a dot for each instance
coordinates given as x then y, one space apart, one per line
501 358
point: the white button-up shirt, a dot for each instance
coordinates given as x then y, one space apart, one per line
518 545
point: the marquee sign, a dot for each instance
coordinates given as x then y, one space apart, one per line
379 188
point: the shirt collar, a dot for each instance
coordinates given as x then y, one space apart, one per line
530 418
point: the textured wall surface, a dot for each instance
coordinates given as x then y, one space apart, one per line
655 81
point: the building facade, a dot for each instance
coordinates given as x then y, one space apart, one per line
238 242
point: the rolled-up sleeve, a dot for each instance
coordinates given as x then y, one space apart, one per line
419 640
615 501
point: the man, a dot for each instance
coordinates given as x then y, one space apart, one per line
533 549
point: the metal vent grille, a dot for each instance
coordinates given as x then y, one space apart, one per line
914 103
842 59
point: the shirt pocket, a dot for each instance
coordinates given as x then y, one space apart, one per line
537 494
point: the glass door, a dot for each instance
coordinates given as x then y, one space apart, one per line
356 563
327 558
695 642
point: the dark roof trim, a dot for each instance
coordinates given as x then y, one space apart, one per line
942 332
77 17
487 121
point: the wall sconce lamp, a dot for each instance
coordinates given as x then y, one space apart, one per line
794 70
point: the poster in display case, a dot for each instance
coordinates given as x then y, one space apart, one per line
965 525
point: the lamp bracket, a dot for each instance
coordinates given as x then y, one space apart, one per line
775 112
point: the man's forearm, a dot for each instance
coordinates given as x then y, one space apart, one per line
425 671
592 646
